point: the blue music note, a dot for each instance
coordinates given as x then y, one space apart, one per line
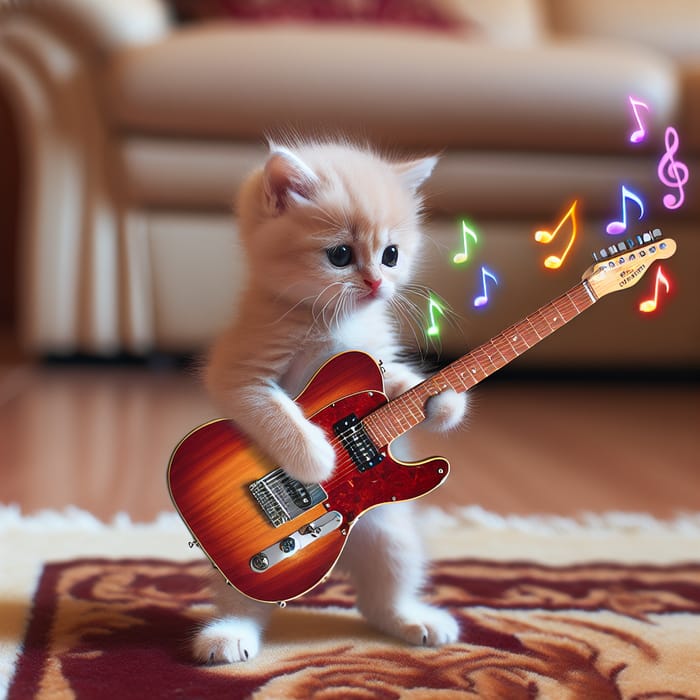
615 227
483 298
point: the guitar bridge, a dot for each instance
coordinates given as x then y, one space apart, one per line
282 498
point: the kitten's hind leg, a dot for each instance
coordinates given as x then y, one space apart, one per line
385 559
235 632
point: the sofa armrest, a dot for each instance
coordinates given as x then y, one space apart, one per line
101 26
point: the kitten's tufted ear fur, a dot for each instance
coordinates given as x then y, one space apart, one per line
414 173
287 179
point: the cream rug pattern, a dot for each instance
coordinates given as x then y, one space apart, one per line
602 607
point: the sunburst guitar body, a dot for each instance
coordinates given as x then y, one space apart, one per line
272 537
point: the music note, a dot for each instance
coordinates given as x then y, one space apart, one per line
554 261
672 173
639 134
650 304
483 299
615 227
462 257
433 306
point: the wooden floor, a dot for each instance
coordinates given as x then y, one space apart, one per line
99 439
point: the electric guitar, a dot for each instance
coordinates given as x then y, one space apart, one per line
274 538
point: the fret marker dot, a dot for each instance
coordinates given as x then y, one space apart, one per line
515 337
473 371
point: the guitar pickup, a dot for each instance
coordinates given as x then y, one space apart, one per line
357 443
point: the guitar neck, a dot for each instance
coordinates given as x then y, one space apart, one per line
396 417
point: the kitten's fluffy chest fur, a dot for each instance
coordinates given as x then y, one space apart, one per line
362 331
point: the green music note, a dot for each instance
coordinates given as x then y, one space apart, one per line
433 306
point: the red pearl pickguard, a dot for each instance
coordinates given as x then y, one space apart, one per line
211 470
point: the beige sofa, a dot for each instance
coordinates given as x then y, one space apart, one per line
136 130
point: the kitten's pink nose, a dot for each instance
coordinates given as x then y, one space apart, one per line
373 284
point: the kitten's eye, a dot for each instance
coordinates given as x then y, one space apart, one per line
390 256
340 255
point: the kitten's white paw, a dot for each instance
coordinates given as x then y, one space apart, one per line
312 458
445 410
227 640
422 625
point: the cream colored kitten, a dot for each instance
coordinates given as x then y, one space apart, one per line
331 233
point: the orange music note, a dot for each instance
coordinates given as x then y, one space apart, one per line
554 261
650 304
462 257
640 133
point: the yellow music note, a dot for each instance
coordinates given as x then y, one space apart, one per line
462 257
554 261
433 306
650 304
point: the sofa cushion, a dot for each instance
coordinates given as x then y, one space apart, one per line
402 87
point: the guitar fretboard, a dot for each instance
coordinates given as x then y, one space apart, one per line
407 410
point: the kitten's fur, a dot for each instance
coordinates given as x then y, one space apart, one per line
298 309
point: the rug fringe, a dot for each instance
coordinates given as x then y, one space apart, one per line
72 518
476 517
473 517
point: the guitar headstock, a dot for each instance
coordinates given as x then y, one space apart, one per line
622 265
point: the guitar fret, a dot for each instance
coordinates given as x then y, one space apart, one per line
529 322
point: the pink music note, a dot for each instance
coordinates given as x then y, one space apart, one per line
615 227
650 304
672 173
483 298
639 134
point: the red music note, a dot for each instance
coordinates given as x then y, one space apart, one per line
639 134
554 261
672 173
483 298
615 227
650 304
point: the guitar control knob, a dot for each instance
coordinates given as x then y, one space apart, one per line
259 562
287 545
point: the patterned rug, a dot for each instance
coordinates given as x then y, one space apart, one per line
603 608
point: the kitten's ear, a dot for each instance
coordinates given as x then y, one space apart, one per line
414 173
287 179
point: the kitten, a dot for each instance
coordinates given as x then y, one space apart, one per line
331 234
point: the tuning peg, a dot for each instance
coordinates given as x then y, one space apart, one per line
656 233
621 247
